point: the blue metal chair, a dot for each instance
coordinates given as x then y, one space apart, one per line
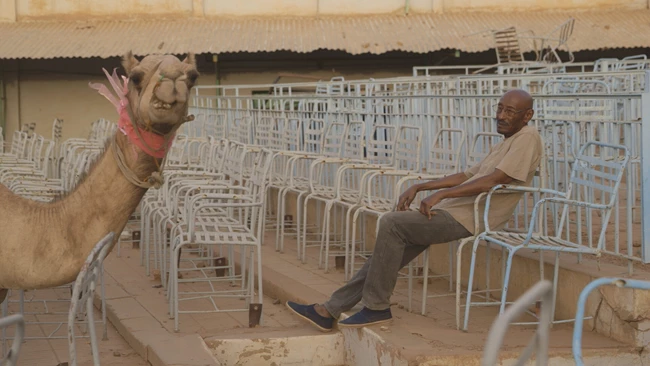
582 301
593 188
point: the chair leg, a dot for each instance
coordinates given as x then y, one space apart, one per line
348 242
470 283
459 291
304 229
556 273
425 284
325 239
279 228
451 266
173 275
355 218
506 281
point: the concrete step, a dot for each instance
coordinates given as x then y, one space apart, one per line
412 339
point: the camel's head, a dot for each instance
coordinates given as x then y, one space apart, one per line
159 90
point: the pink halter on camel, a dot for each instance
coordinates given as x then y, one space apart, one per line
151 143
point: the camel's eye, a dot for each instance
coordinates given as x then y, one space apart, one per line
136 78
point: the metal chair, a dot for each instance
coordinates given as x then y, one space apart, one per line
11 358
539 343
554 41
593 190
582 301
83 293
239 224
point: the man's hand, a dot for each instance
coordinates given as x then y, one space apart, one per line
406 198
427 203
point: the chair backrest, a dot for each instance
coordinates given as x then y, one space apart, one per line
506 44
446 151
334 140
243 129
276 134
18 141
261 164
565 30
291 133
596 176
263 131
636 62
234 161
408 148
483 142
558 38
57 129
355 138
218 152
314 136
216 125
381 145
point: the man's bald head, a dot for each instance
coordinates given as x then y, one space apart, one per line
520 99
514 110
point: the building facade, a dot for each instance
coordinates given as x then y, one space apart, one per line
52 49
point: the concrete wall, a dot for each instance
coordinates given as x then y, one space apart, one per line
10 10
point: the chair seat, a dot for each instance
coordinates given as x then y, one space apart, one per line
539 242
224 234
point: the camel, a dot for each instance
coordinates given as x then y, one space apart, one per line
45 244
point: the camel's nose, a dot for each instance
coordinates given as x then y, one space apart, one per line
172 88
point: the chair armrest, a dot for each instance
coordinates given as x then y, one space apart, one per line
504 188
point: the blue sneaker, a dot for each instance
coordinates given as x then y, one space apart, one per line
308 313
366 317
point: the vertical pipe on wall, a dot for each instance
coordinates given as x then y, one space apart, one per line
215 60
3 101
407 4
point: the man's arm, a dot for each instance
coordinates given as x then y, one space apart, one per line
449 181
472 188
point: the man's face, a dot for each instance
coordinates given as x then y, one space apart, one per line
512 115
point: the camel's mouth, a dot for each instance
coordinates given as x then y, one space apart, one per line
161 105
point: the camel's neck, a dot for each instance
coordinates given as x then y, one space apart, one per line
57 237
104 201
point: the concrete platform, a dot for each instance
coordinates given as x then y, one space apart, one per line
138 309
52 352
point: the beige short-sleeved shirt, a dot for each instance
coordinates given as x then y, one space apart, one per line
517 156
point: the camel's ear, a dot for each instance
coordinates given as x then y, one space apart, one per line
190 59
129 62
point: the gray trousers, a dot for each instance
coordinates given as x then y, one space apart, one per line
401 237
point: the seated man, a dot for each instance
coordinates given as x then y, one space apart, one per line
444 216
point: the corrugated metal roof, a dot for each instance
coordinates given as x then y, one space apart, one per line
419 33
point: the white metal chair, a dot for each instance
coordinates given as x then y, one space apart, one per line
17 320
242 225
555 41
543 291
375 190
323 184
83 294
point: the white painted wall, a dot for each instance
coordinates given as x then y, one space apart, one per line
10 10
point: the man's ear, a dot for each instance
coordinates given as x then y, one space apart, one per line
529 114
